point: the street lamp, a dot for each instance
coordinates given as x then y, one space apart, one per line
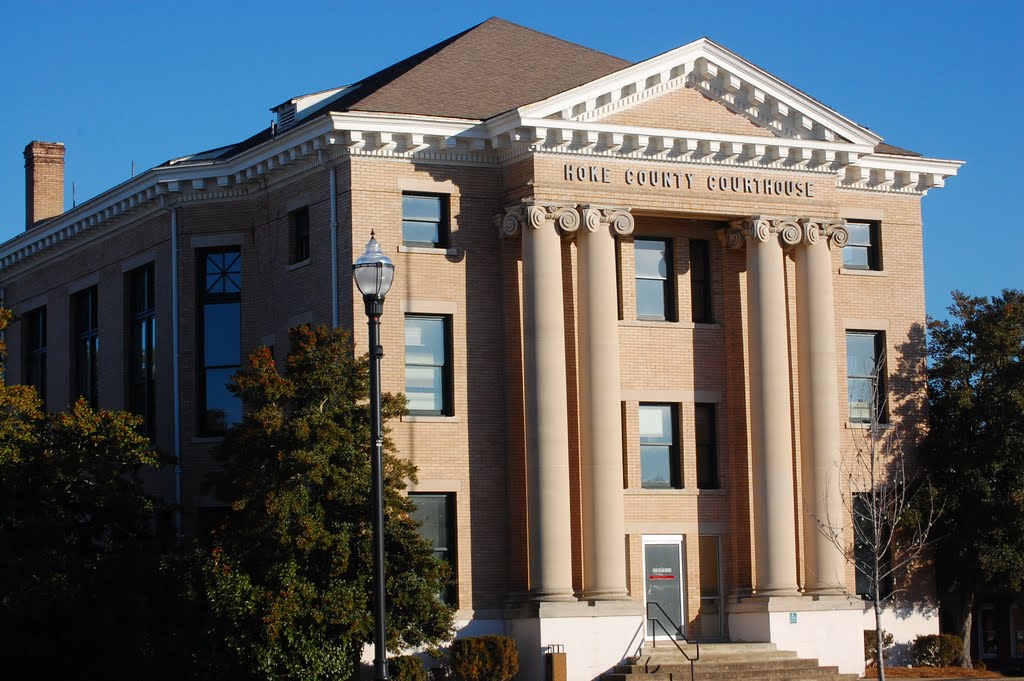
374 272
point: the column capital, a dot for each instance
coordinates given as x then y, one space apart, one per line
833 232
618 219
791 231
532 214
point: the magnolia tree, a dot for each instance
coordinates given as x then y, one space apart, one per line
288 576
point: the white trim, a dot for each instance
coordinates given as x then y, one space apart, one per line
137 261
300 318
424 250
854 324
215 240
435 486
415 184
428 307
83 283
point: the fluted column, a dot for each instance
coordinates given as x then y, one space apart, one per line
771 437
546 402
825 565
604 550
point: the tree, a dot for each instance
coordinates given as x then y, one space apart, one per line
75 539
889 501
288 576
974 450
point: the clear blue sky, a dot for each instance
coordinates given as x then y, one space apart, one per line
144 81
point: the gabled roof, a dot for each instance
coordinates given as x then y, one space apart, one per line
479 73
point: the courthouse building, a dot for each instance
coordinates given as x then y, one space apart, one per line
635 312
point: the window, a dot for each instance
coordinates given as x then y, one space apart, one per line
865 375
707 451
864 549
298 235
710 587
141 355
220 331
988 631
428 365
35 350
653 280
436 515
85 341
863 251
659 447
425 220
700 281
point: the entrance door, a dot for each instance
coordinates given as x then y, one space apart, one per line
663 590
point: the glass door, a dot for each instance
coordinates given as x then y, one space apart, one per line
663 589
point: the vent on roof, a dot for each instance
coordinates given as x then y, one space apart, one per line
286 116
294 110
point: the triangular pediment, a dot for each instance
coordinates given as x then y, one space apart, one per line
709 85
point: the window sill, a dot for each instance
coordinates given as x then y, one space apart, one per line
863 273
424 418
867 426
425 250
657 323
297 265
642 491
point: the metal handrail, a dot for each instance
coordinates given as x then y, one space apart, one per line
671 637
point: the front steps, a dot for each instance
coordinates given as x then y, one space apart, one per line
722 662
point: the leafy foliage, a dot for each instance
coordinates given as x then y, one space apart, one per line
288 578
936 650
75 540
484 658
407 668
974 452
871 646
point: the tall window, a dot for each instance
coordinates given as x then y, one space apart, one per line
220 331
864 549
659 447
35 350
428 364
865 375
298 235
654 299
700 281
707 447
436 515
141 355
425 220
710 587
85 340
863 251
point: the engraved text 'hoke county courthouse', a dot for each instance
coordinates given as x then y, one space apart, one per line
688 182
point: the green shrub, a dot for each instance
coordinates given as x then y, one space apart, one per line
936 650
484 658
407 668
871 644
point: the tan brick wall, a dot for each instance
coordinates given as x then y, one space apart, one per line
478 453
685 109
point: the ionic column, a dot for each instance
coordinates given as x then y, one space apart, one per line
547 412
604 550
771 437
825 565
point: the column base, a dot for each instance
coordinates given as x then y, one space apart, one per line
827 628
595 636
605 595
551 596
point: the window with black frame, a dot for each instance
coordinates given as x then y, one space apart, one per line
700 281
425 220
86 342
436 515
707 446
654 290
220 333
298 233
34 324
659 447
865 546
863 250
865 376
428 364
141 353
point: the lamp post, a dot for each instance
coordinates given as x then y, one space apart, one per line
373 273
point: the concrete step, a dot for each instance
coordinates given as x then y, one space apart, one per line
718 667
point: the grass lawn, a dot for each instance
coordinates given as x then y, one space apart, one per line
932 673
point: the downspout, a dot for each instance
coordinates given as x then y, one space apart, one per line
174 373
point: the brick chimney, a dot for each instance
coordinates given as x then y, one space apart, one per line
44 181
